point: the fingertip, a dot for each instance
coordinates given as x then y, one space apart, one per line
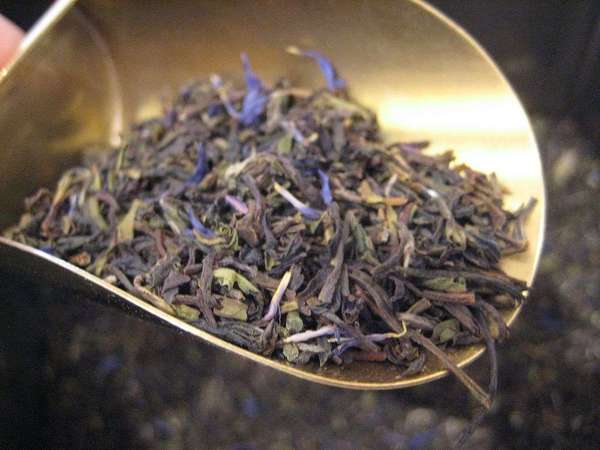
10 37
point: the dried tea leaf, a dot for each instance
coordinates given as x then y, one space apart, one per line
291 194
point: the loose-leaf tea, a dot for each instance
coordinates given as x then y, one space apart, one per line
277 219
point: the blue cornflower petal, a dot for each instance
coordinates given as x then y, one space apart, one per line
201 165
47 249
325 188
334 82
255 100
197 225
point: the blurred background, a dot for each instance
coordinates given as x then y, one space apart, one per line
76 375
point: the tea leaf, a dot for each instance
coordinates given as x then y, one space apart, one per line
127 223
225 186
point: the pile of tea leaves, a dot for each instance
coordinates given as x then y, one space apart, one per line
277 219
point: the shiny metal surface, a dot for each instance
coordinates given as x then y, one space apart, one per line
90 67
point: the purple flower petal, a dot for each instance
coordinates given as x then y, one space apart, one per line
277 296
326 330
199 227
255 99
237 204
304 209
47 249
331 76
325 188
201 165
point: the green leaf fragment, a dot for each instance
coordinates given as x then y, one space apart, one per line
367 194
229 277
186 313
230 236
270 262
172 215
127 223
93 211
284 145
446 284
293 322
121 157
232 309
446 331
455 233
342 105
291 352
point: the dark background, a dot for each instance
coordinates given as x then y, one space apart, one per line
77 375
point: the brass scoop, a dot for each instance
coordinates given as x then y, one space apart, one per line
90 67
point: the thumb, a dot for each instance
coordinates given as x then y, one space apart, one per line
10 36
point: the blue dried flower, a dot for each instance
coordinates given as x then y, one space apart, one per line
325 188
334 82
198 226
47 249
255 99
201 165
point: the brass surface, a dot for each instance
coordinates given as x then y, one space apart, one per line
90 67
